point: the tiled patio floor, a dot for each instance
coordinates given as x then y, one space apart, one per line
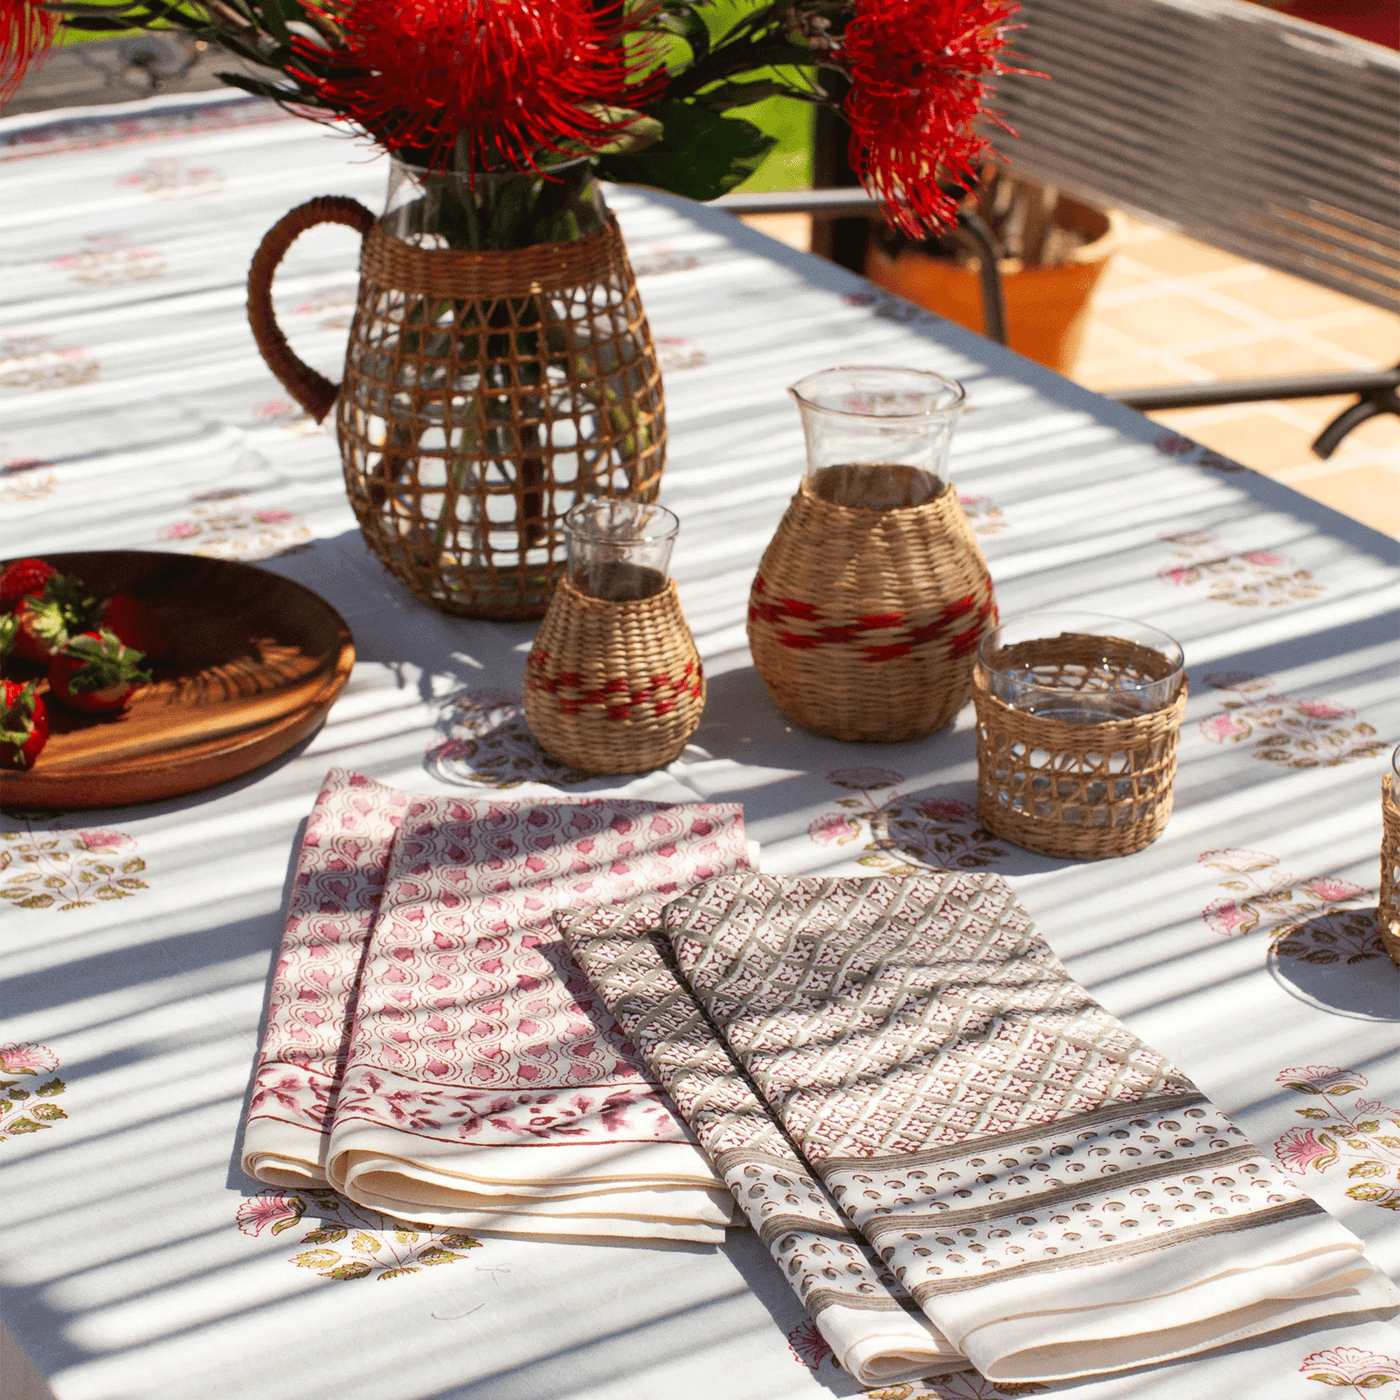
1173 311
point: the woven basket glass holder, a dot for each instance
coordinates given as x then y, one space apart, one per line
866 610
1388 911
492 378
613 683
1077 723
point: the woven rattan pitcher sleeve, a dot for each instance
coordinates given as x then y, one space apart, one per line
311 389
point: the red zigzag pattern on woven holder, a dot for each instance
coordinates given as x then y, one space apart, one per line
961 643
617 696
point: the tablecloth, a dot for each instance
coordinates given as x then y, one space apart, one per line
138 1263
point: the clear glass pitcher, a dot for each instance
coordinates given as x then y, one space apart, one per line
877 437
477 212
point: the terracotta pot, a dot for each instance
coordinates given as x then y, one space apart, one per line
1046 307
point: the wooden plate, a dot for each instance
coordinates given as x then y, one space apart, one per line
258 663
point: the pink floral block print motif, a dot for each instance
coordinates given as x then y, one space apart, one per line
1255 578
26 479
215 530
489 744
1359 1134
63 870
1352 1368
108 259
26 1104
902 834
1303 918
33 363
335 896
1182 448
474 1023
1300 733
351 1241
983 514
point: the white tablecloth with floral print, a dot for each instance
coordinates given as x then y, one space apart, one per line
138 1263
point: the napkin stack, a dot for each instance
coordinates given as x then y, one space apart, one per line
433 1052
945 1102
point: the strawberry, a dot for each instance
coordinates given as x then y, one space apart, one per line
47 619
23 577
24 725
137 626
96 673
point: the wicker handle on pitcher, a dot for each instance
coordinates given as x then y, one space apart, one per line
313 391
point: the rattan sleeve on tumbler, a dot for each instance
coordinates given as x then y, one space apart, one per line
1078 791
484 394
864 624
1388 911
614 687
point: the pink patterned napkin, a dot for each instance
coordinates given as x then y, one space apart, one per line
488 1087
335 897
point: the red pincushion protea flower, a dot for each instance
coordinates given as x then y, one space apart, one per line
918 71
514 77
26 33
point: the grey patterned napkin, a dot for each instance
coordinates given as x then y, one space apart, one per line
874 1328
1057 1198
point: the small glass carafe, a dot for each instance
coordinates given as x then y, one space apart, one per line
877 437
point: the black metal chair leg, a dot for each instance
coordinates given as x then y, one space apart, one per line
1378 401
988 273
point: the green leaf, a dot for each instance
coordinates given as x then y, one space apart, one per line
270 12
57 1086
256 86
1367 1168
366 1243
287 1224
394 1273
453 1240
36 901
700 155
1313 1112
316 1259
322 1235
1372 1191
24 1125
19 1095
1328 1378
687 24
434 1254
406 1236
357 1269
48 1112
635 130
727 95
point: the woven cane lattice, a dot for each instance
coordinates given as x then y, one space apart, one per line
614 687
1080 791
864 624
484 394
1388 913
